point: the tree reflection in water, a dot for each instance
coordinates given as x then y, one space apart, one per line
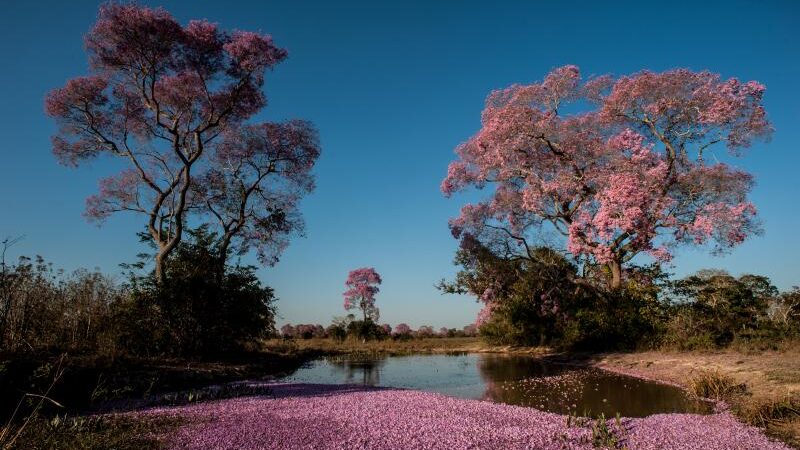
515 380
365 371
568 389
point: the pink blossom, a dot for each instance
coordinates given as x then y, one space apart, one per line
402 329
626 176
252 51
293 416
362 285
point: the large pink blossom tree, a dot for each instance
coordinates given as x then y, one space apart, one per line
628 171
164 99
362 286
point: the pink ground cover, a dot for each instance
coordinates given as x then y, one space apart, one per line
308 416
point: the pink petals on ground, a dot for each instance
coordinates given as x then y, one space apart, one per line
306 416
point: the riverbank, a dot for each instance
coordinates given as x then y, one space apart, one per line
64 393
85 382
762 388
756 385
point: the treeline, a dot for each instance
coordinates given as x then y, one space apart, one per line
348 327
546 299
202 308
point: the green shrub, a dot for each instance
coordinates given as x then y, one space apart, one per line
202 308
365 330
337 332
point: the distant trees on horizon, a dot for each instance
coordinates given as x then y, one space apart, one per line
400 331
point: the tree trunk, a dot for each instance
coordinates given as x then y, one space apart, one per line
159 270
166 247
222 257
616 274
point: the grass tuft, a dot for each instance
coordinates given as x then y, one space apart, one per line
93 433
715 385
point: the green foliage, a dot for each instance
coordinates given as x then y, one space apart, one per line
336 332
605 436
542 299
203 308
712 309
365 330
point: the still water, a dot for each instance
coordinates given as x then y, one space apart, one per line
515 380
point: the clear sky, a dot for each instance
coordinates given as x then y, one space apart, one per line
393 87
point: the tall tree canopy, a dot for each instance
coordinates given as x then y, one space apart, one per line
172 102
626 174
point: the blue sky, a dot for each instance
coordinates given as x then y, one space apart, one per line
393 87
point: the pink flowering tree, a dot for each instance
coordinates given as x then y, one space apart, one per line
288 331
162 98
629 174
362 285
402 330
425 331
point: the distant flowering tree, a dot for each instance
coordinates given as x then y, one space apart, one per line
362 285
171 102
387 329
402 329
471 330
308 331
444 332
304 330
627 175
288 331
425 331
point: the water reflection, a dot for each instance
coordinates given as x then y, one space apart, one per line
360 371
516 380
568 389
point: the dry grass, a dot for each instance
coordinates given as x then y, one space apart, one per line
94 433
715 384
395 347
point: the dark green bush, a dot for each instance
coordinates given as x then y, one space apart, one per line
544 299
365 330
615 321
203 307
337 332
